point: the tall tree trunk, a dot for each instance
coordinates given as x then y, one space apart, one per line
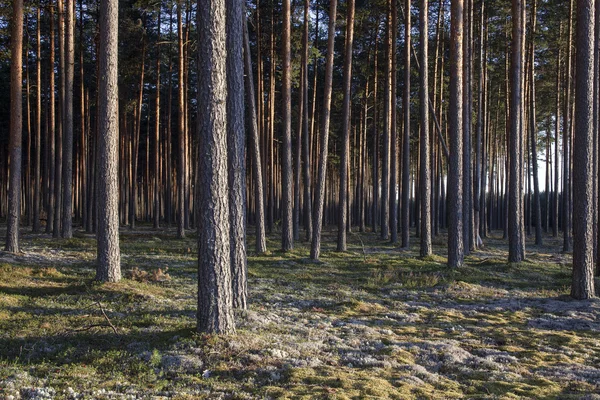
16 125
27 162
583 177
305 133
215 303
406 138
271 130
261 245
236 150
84 145
67 159
455 178
343 196
38 129
385 158
537 208
425 150
298 153
375 135
320 194
287 225
109 259
180 128
557 119
51 127
58 137
479 190
467 127
516 247
156 194
137 127
394 130
567 246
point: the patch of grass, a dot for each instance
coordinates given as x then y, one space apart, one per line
372 322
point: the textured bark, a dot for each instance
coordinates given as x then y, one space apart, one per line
343 196
38 129
236 152
305 133
455 178
180 128
566 209
261 245
215 303
135 140
51 126
270 131
27 156
467 125
375 135
537 208
555 202
479 189
394 130
425 150
67 159
156 195
298 152
84 130
108 266
287 225
322 172
516 248
406 138
583 154
58 137
16 125
385 149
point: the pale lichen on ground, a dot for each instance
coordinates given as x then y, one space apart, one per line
375 322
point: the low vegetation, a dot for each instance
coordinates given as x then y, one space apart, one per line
375 322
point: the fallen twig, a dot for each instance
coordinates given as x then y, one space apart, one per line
106 317
362 244
108 324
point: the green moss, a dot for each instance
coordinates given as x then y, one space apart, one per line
381 303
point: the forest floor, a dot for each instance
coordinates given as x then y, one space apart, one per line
374 322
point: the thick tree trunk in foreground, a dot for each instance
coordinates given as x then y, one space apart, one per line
343 204
236 143
322 172
108 266
583 155
425 168
455 177
16 125
516 246
215 299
